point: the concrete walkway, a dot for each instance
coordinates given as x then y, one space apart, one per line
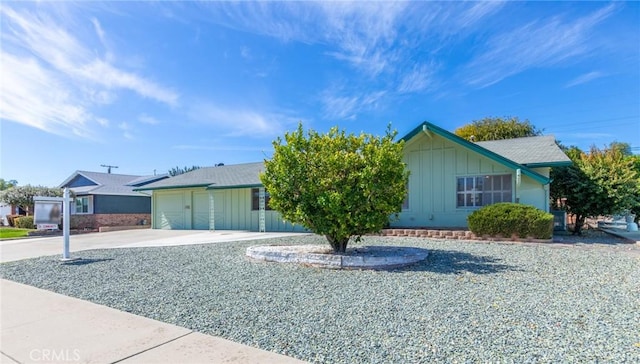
18 249
39 326
628 235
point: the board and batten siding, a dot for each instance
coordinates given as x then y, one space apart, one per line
435 163
190 209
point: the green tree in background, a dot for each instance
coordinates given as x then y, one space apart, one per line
7 184
22 196
177 170
494 128
337 185
601 182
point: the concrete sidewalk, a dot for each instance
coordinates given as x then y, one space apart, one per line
39 326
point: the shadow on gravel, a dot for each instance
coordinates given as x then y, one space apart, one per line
86 261
455 262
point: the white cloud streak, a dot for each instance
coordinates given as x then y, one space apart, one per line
52 81
340 107
538 43
235 122
587 77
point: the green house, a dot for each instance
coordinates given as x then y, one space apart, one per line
225 197
450 177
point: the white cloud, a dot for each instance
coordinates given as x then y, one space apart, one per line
340 107
536 44
417 80
33 96
587 77
52 81
126 130
240 121
146 119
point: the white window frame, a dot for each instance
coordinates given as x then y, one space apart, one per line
481 190
89 200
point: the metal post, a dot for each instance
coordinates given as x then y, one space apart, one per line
66 223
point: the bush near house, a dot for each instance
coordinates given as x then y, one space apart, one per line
511 219
24 222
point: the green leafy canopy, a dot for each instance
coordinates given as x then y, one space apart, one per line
336 184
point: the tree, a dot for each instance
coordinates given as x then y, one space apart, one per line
177 170
337 185
7 184
624 148
22 196
601 182
494 128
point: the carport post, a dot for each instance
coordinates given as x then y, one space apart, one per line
66 216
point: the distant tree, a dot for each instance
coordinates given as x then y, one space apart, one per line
337 185
22 196
177 170
7 184
494 128
601 182
623 148
635 161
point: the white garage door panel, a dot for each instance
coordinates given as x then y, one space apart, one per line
170 211
201 210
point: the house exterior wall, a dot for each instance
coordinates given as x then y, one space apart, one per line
113 204
190 208
435 163
80 181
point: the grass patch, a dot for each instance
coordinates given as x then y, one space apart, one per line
12 233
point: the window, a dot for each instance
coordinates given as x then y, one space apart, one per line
483 190
83 205
255 200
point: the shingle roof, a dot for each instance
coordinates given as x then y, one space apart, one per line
537 151
237 175
109 183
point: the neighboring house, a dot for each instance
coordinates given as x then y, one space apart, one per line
105 199
449 178
6 209
223 198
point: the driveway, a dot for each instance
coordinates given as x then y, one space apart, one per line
18 249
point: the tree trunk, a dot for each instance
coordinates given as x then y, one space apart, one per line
339 245
577 229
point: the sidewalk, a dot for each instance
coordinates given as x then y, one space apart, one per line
39 326
630 236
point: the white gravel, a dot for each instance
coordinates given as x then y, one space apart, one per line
468 302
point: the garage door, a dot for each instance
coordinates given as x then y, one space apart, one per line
170 212
200 211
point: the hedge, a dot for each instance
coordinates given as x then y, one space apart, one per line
511 219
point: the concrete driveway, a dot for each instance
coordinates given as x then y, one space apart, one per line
18 249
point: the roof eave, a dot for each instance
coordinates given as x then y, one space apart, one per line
232 187
171 187
549 164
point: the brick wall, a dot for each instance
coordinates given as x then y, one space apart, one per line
454 235
95 221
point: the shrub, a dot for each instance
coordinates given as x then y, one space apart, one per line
509 219
24 222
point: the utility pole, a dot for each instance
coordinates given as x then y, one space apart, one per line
108 167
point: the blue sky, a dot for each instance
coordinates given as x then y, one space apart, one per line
150 86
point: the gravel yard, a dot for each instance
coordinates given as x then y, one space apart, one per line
468 302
